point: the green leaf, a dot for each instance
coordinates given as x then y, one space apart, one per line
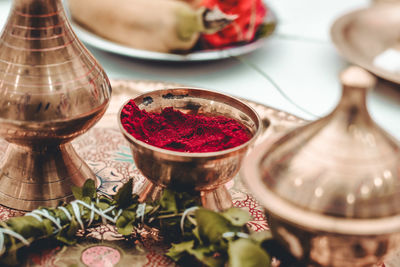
89 189
236 216
177 251
265 30
129 215
168 201
211 225
202 253
132 207
126 222
201 240
196 235
58 213
29 226
207 256
124 226
186 200
67 233
124 195
105 199
10 259
260 237
86 199
246 253
102 205
77 192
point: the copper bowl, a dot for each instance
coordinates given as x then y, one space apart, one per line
204 173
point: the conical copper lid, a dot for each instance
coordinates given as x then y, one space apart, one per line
45 71
343 165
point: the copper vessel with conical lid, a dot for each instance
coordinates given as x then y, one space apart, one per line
331 188
51 91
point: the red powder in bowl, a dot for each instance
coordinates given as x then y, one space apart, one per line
174 130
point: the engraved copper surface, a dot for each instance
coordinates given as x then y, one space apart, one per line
331 188
203 172
51 90
107 153
104 148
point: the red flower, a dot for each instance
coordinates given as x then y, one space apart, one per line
250 15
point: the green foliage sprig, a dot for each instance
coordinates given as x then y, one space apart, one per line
198 235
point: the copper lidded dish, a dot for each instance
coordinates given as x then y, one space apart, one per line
205 173
331 188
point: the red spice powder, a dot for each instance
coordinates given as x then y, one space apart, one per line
174 130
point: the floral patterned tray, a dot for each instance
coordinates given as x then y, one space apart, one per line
108 154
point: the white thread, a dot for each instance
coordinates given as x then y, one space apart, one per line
108 209
185 213
47 215
13 234
38 214
91 214
37 217
1 244
94 210
77 213
118 214
233 234
228 234
64 209
100 212
140 211
242 235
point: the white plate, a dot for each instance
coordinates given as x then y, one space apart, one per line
214 54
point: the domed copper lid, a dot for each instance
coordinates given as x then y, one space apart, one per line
343 165
46 74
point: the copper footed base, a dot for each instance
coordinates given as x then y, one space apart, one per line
217 199
40 176
149 190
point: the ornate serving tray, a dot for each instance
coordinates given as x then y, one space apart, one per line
107 153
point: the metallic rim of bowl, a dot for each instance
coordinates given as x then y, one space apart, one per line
192 154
